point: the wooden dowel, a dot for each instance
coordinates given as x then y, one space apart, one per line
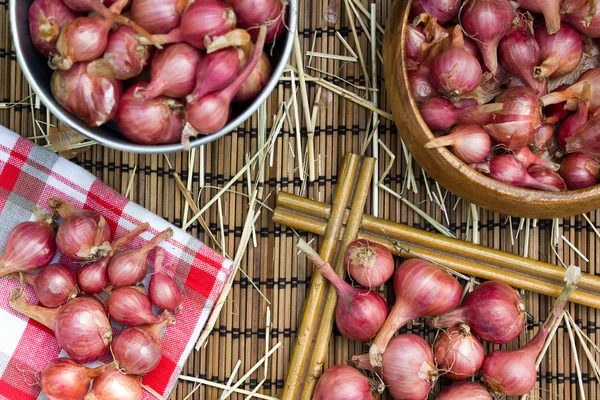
315 368
314 299
459 248
467 263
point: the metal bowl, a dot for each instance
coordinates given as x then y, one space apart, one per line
37 72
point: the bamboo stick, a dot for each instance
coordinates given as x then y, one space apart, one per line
306 330
315 368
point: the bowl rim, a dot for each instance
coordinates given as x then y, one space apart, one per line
96 134
512 195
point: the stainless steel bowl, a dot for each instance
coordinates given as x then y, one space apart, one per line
38 74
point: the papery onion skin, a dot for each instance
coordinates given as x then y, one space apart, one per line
154 121
46 18
204 18
55 285
83 235
92 99
137 350
547 177
560 53
251 14
130 307
493 310
441 114
549 8
408 367
579 171
158 16
114 385
341 382
65 379
124 57
463 391
30 245
489 21
422 289
162 289
368 263
470 143
180 57
576 90
442 10
458 353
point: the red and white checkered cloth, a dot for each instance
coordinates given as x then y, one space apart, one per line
29 176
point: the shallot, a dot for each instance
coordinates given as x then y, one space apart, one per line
342 383
173 72
586 139
441 114
469 142
560 53
527 159
112 384
131 307
162 290
368 263
251 14
158 16
514 373
579 171
458 353
46 19
65 379
541 137
129 267
29 246
547 177
488 21
508 169
154 121
575 91
408 367
83 235
493 310
463 391
416 43
54 285
215 72
586 20
81 326
206 18
137 350
360 313
422 289
92 98
572 124
257 80
442 10
515 125
549 8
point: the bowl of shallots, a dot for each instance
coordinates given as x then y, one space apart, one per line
498 100
153 76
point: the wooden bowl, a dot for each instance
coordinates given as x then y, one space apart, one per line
448 170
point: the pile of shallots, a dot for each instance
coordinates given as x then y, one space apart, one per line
511 87
406 365
71 305
164 70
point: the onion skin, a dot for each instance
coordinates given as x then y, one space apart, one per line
549 8
463 391
124 57
130 307
458 353
575 91
470 143
586 140
527 158
155 121
114 385
204 18
561 53
30 245
493 310
368 263
416 43
158 16
46 18
409 368
162 290
443 11
137 350
421 87
251 14
92 99
422 289
83 235
441 114
65 379
547 177
579 171
81 326
342 383
489 21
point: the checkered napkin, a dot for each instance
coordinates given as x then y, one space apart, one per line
29 176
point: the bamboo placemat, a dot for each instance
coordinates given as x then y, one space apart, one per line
273 265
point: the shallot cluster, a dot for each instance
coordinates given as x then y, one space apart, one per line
70 306
509 79
96 56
